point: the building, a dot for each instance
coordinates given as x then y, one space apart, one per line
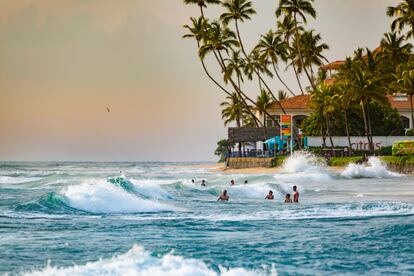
298 106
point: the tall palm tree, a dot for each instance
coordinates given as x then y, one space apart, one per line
282 95
404 16
272 48
311 49
237 10
287 29
198 31
201 3
298 10
235 65
405 84
394 49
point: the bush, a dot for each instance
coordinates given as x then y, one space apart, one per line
278 161
409 132
343 161
384 151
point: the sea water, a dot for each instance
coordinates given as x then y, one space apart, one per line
150 219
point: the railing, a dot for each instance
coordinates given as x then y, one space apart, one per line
251 153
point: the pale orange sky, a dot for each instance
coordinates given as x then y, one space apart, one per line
63 62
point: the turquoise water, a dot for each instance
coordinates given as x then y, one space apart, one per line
89 219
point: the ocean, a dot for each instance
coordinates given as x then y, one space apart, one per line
72 218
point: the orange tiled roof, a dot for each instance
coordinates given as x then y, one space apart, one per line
302 102
333 65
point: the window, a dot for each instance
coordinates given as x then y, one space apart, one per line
271 123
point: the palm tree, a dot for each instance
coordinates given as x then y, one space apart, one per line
394 49
233 111
297 9
201 3
198 31
405 84
237 10
272 49
286 29
263 102
404 16
282 95
311 50
235 65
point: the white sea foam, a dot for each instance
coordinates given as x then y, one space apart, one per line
374 169
257 190
102 197
303 167
137 261
16 179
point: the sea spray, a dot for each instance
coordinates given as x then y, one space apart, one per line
373 169
137 261
303 166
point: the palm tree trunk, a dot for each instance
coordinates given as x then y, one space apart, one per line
365 121
297 78
371 144
347 133
412 111
280 79
328 132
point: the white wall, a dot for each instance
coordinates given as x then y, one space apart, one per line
358 142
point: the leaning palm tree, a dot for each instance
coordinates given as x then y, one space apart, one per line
235 65
272 49
201 3
297 10
263 102
198 30
237 10
404 16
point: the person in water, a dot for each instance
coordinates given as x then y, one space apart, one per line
224 196
295 194
232 182
203 183
245 182
192 181
270 195
288 199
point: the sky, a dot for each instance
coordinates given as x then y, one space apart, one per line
62 63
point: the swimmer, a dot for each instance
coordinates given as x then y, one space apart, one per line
224 196
288 199
270 196
192 181
232 182
295 195
245 182
203 183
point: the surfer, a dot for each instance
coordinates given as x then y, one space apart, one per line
203 183
295 195
288 199
224 196
270 196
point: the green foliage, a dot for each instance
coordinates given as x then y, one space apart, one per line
400 148
343 161
278 160
409 132
222 147
384 151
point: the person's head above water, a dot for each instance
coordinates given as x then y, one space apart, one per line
294 188
202 181
192 180
287 195
232 181
245 182
270 192
225 192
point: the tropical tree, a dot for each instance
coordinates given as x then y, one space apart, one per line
201 3
263 102
235 65
297 10
272 49
404 17
405 84
233 110
395 49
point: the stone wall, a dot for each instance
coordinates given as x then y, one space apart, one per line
404 169
250 162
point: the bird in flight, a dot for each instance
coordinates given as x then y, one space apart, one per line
107 109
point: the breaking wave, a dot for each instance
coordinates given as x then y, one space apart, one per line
137 261
374 169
